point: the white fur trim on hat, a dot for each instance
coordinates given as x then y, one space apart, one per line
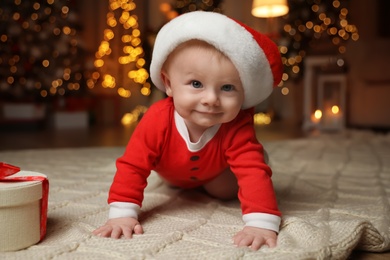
257 75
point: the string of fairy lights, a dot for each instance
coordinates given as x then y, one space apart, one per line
307 24
120 13
41 55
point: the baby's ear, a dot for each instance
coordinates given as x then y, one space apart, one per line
167 82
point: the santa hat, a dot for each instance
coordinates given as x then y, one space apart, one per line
255 56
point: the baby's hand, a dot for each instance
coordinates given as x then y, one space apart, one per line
254 237
115 227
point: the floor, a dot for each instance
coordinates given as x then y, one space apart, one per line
37 138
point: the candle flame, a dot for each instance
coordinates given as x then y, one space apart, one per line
335 109
318 114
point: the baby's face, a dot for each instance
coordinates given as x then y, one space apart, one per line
205 85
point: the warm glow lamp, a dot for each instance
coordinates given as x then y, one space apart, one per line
269 8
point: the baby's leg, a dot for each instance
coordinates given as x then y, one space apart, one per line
224 186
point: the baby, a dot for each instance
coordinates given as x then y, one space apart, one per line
214 70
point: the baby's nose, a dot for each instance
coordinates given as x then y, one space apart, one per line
210 98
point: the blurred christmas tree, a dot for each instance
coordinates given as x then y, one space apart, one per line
119 59
40 54
314 27
184 6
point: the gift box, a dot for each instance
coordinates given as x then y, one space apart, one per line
23 207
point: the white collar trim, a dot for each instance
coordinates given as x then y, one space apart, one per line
203 140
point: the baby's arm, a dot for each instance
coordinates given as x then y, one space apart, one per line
255 237
116 227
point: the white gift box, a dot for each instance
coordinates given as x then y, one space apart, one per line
66 120
23 210
24 111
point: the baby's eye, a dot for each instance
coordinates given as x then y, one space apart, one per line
227 87
196 84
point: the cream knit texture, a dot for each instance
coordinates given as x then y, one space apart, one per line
333 191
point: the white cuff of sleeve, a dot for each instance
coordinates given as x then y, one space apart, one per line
262 220
123 209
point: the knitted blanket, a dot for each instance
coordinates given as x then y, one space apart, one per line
333 191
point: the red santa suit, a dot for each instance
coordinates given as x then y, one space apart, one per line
161 143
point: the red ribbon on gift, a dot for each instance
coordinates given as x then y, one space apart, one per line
7 170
